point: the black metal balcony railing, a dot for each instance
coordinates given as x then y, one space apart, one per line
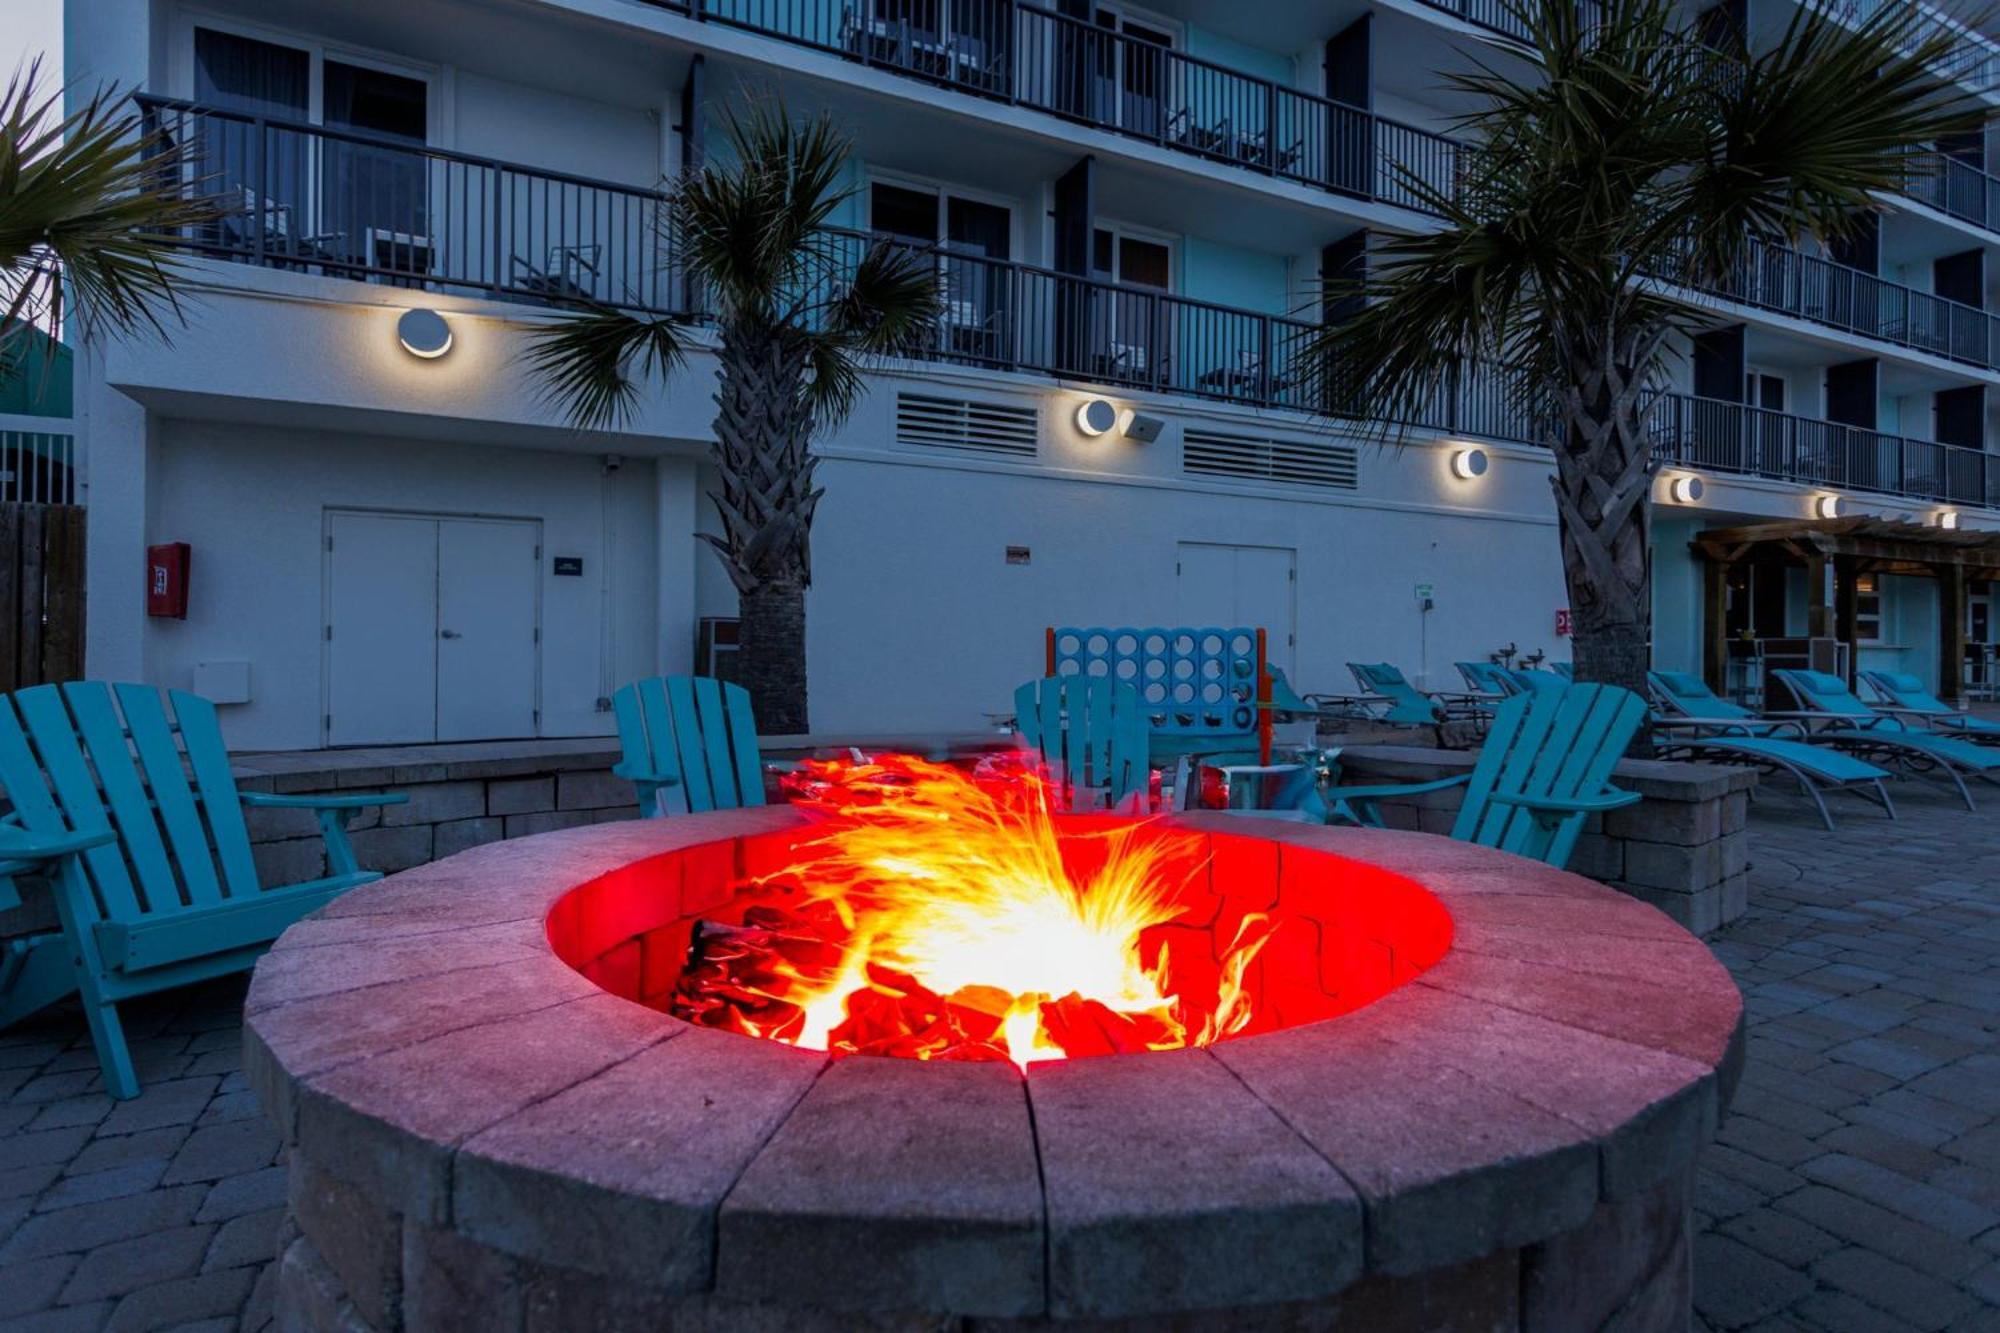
1029 56
1809 287
1955 187
312 199
1719 436
1492 15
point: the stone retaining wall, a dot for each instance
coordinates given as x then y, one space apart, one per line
1682 849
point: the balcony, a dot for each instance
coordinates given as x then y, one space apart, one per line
307 199
1024 55
1808 287
1716 436
1955 188
1973 61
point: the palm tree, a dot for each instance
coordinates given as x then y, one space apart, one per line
90 204
799 309
1625 165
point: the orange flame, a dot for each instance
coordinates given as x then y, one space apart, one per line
955 887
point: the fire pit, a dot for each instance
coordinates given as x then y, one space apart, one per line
1453 1089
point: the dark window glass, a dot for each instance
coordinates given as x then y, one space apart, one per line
391 105
1103 248
1144 263
976 228
900 212
257 78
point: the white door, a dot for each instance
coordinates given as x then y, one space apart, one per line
487 639
1240 585
381 629
432 628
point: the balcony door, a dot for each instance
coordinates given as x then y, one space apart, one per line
973 241
1133 329
351 200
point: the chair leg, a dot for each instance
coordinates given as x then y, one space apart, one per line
339 851
113 1057
1882 794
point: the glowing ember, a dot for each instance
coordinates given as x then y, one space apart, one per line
937 915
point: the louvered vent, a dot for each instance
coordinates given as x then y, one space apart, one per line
1316 463
998 429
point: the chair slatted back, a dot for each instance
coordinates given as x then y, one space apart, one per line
1559 744
698 731
1092 732
87 756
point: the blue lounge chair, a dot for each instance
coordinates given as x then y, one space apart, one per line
1527 680
1405 703
1092 732
1833 715
176 898
1900 693
1690 721
1288 704
1544 770
1567 670
1486 679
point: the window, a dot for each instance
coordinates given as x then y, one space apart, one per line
1133 260
970 235
1867 609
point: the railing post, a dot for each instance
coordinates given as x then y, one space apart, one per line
1267 376
1270 129
499 198
261 205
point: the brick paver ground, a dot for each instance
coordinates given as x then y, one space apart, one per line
1855 1184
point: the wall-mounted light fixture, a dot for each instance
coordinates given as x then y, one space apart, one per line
1095 416
1686 489
1826 506
424 333
1469 464
1946 519
1142 429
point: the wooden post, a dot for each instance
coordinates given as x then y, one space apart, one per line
1819 598
1951 631
1715 624
1263 703
1049 651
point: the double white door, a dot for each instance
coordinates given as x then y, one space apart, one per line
1228 586
432 628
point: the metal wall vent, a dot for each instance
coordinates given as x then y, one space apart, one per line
999 429
1313 463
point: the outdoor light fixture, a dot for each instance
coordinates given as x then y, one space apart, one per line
1685 489
1826 506
1144 429
1947 519
424 333
1469 464
1096 416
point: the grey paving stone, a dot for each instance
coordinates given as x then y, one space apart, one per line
62 1319
32 1285
89 1225
234 1196
182 1302
127 1265
1781 1236
1915 1298
1734 1285
1899 1194
249 1239
227 1149
118 1182
152 1144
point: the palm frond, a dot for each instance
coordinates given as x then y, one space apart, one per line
590 364
90 205
890 303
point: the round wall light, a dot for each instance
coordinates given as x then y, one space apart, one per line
1096 416
1686 489
1469 464
1826 506
424 333
1947 519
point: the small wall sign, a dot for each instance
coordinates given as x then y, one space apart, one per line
1018 555
1563 623
568 567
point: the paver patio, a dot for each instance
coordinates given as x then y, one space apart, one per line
1855 1185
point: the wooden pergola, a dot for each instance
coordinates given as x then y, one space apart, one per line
1835 552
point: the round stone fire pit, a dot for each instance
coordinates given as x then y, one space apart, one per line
489 1128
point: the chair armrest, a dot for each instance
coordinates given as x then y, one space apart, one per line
18 844
1386 790
360 800
1610 799
633 774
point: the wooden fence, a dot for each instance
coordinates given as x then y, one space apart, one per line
41 594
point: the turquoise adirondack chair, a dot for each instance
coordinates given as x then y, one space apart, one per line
1091 731
690 745
176 898
1544 770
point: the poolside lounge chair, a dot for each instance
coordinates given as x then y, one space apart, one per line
1412 705
1905 695
1833 715
1567 670
1690 721
1287 703
1487 679
1544 770
1526 680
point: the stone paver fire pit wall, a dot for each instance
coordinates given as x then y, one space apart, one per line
483 1138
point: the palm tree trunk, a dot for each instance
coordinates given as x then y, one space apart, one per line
771 657
1603 487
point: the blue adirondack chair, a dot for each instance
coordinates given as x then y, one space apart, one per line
690 745
1544 770
1903 694
1567 670
1832 714
1690 721
176 898
1092 732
